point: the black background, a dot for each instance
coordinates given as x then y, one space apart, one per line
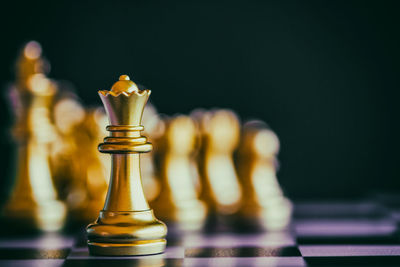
322 74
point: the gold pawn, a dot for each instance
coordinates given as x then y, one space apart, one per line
126 225
220 136
264 203
178 202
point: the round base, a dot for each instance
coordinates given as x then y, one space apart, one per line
137 248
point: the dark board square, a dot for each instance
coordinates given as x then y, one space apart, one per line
366 240
81 241
209 252
174 241
32 253
122 262
354 261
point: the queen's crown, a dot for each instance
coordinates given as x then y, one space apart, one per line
124 105
125 102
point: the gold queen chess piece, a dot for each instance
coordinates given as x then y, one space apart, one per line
126 225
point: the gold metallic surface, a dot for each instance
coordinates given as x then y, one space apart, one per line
178 202
126 225
263 200
220 136
33 203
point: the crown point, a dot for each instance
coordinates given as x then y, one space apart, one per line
124 78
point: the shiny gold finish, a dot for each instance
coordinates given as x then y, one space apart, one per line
221 133
126 225
263 201
178 202
33 203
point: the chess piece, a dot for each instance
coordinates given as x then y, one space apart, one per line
264 203
92 170
221 188
33 203
126 225
68 113
153 129
30 62
80 171
178 202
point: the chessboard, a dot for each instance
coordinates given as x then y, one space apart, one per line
360 233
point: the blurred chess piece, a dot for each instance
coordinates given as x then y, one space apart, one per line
178 202
263 202
93 168
30 62
220 136
33 203
67 112
80 171
154 128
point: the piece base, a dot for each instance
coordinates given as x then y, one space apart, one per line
142 247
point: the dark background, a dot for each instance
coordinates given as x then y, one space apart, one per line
322 74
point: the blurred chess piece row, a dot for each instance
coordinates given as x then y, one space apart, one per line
204 165
211 166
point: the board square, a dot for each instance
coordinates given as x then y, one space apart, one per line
32 263
32 253
123 262
353 261
349 250
210 252
246 262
